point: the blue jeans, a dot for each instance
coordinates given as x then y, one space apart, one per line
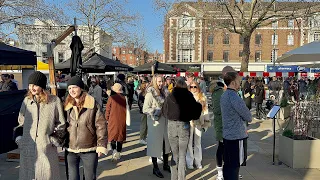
90 164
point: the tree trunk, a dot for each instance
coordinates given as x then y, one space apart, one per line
245 52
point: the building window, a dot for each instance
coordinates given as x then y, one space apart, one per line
241 39
275 25
130 52
240 53
44 57
210 39
61 56
316 36
257 56
274 40
210 56
290 23
186 22
274 55
130 56
185 55
123 52
114 51
28 39
290 40
123 58
44 38
258 39
226 38
225 56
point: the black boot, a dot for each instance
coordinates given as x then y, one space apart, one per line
166 166
156 170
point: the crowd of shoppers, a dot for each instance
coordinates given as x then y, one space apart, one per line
174 115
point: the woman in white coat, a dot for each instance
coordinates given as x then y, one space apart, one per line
157 141
194 153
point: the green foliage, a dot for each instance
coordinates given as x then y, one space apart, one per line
288 133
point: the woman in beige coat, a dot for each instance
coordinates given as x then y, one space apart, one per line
41 118
198 126
157 141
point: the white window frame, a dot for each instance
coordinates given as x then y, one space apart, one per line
255 57
61 59
226 60
316 36
291 23
276 40
290 40
275 25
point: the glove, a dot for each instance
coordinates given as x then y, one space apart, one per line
18 140
157 112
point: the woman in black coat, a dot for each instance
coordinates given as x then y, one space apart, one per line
258 98
247 92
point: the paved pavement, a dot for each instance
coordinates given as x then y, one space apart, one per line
134 163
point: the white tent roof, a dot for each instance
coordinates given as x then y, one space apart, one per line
306 53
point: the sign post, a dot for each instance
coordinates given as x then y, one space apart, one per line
272 114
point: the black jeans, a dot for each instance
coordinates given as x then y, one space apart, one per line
259 111
219 154
90 164
116 145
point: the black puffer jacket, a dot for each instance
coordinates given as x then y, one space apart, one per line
180 105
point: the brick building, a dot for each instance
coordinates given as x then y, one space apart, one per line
130 55
191 40
156 56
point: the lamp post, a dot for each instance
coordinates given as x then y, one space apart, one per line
274 37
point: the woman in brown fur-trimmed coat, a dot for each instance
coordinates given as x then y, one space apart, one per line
87 131
41 118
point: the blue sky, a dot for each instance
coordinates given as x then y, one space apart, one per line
151 20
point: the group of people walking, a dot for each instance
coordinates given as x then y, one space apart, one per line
78 125
173 118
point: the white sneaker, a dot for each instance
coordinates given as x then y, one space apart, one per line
199 167
158 160
117 156
144 142
240 176
219 177
190 167
114 155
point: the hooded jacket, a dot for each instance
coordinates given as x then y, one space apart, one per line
180 105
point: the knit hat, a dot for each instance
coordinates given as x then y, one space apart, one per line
122 77
117 88
76 80
39 79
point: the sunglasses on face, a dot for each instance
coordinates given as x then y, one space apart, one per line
193 87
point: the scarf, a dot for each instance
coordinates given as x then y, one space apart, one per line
159 98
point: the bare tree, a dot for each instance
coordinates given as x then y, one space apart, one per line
244 17
107 15
14 12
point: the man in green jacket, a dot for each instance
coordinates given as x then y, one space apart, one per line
216 95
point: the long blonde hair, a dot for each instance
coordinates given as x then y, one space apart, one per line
43 96
200 95
154 83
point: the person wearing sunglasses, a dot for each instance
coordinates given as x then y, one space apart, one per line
180 108
194 154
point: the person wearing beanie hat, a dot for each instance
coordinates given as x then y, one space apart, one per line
87 131
41 130
215 97
77 81
117 113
